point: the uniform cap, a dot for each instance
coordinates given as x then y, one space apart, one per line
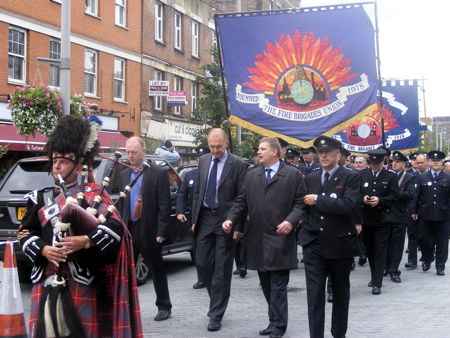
398 156
435 155
344 152
376 156
292 152
283 143
323 143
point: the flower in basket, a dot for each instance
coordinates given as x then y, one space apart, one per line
35 109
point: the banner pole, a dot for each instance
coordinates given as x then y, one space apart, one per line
380 82
219 55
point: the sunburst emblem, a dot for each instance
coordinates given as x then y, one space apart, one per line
300 71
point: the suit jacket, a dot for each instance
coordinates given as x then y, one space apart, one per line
185 195
156 206
230 183
385 187
268 205
307 170
331 221
433 196
406 193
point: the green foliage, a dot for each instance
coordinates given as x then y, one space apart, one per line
3 150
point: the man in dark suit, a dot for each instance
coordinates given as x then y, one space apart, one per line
220 178
148 227
273 197
329 237
402 213
185 197
432 209
379 188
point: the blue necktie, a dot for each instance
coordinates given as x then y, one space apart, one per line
210 195
268 177
326 179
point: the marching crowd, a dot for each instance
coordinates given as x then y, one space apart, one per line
338 208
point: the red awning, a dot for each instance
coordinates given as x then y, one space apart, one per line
16 142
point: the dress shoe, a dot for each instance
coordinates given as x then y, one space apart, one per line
265 332
370 284
440 272
410 266
426 266
199 285
214 325
236 272
330 298
385 273
362 260
276 335
242 272
162 315
395 278
376 290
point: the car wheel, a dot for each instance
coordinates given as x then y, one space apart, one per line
142 270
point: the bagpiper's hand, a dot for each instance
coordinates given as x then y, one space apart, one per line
54 255
73 244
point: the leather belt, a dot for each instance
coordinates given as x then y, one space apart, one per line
213 210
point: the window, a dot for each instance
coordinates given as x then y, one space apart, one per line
91 7
121 11
16 55
53 71
119 79
194 95
177 86
195 34
178 21
90 72
159 22
157 100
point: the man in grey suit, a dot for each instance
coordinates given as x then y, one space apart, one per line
273 196
220 177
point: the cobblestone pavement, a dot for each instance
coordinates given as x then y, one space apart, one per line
418 307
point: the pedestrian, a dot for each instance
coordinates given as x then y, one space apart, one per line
220 177
431 208
168 152
185 196
94 262
273 197
309 163
146 211
379 188
329 237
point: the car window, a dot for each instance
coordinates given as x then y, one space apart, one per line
28 176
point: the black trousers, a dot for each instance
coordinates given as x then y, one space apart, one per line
395 249
376 239
153 258
194 250
413 241
215 255
316 271
240 254
274 285
434 233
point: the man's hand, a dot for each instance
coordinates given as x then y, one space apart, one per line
284 227
193 227
415 217
373 201
226 226
182 218
237 235
72 244
358 228
54 255
366 200
160 239
310 199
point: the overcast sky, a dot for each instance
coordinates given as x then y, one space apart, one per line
414 43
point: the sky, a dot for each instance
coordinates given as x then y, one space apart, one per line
414 39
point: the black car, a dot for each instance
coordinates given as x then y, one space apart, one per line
33 174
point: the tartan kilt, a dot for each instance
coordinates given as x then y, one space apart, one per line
83 298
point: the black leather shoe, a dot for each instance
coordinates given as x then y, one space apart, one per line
410 266
330 298
236 272
396 278
214 325
242 272
162 315
376 290
362 260
426 266
370 284
199 285
265 332
440 272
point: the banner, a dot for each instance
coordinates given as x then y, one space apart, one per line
401 121
298 74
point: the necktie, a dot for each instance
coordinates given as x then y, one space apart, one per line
210 195
268 177
434 175
326 179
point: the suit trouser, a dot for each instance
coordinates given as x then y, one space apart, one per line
395 248
274 285
240 254
434 233
194 249
376 239
316 271
413 241
215 254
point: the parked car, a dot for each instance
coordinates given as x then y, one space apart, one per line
33 174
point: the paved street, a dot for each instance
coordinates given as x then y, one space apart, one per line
418 307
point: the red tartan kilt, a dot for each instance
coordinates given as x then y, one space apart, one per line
84 300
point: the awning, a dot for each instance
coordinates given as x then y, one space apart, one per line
16 142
